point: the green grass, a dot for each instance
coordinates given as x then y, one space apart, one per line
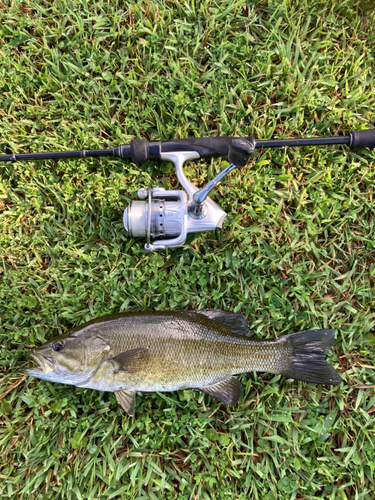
296 252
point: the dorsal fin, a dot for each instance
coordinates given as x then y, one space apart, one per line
235 321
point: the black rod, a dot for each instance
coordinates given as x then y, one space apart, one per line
140 150
309 141
58 154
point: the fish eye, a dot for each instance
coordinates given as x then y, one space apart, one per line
58 346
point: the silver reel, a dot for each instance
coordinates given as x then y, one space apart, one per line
165 218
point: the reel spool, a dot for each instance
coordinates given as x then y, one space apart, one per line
159 215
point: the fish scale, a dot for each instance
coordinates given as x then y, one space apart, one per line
206 355
170 350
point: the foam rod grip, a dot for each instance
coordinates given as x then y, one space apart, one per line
363 138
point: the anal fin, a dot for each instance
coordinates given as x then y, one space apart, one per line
227 391
127 401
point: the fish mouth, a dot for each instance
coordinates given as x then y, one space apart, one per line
45 364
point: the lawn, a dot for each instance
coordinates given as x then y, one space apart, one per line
297 249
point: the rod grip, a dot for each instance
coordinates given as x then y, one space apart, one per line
362 138
204 146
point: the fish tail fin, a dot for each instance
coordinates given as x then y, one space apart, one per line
307 359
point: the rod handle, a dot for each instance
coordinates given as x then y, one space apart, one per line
204 146
363 139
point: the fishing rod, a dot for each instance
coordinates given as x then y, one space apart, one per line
165 217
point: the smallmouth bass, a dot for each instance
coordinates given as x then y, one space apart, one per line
171 350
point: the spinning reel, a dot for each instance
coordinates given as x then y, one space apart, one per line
164 217
167 217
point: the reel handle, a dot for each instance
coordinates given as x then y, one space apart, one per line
239 152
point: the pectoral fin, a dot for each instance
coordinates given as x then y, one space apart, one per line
227 391
126 400
130 361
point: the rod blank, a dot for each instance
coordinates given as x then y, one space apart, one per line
141 150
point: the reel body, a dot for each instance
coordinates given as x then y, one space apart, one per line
163 217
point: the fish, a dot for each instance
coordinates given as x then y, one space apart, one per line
162 351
